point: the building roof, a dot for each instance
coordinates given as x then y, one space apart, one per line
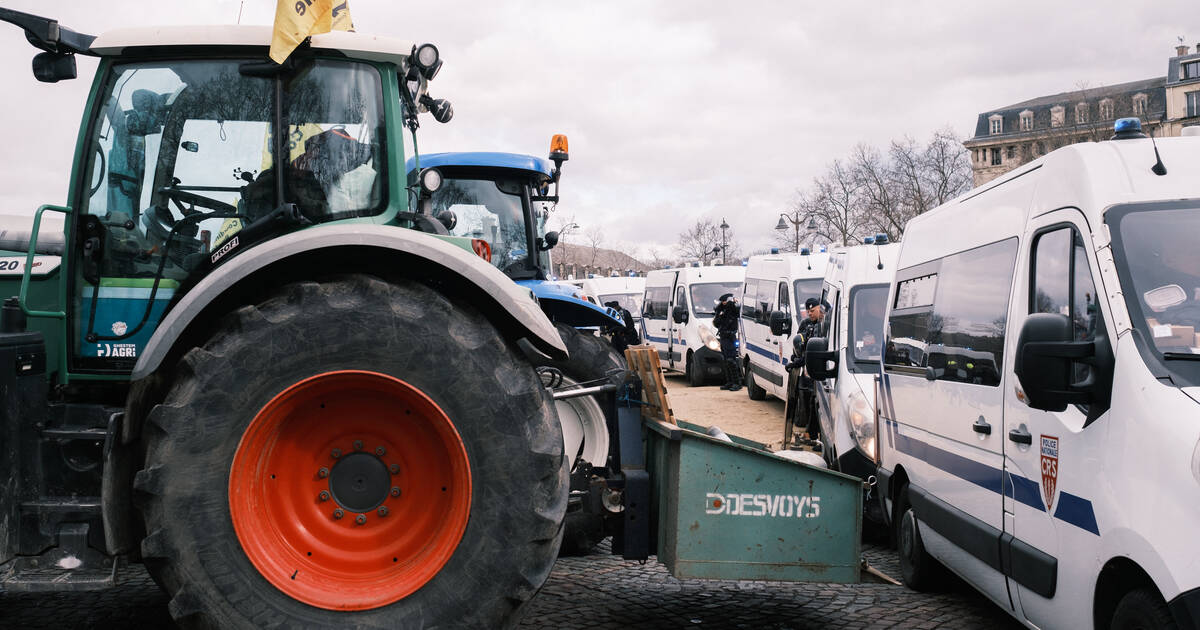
1121 95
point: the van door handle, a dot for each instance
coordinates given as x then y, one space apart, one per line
1020 436
981 426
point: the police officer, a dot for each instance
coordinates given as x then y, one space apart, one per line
623 336
726 322
801 408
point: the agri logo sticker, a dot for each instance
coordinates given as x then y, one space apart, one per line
1049 468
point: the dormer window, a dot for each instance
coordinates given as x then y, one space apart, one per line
1027 120
1058 115
1081 113
995 124
1139 104
1106 109
1189 70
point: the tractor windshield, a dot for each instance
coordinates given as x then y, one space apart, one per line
182 157
495 211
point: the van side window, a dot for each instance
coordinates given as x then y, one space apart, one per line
1062 283
750 299
766 300
655 306
680 297
784 304
953 321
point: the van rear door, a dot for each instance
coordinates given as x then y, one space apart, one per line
656 312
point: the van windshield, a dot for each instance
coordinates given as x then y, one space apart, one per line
631 302
1159 262
704 296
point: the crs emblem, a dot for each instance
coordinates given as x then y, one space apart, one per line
1049 468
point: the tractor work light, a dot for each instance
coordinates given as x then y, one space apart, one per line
431 180
426 58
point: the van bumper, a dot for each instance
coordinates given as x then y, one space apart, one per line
1185 608
709 360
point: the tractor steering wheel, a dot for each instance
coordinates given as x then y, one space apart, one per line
181 197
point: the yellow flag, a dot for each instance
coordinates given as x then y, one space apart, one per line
298 19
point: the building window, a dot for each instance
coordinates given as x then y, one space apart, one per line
1139 104
1040 148
1010 153
1190 70
1027 120
996 156
1106 109
1081 113
1193 104
1057 115
996 124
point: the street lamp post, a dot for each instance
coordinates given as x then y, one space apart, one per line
810 228
724 226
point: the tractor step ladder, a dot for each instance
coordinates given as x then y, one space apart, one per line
71 566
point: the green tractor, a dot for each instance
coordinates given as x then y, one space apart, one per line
237 356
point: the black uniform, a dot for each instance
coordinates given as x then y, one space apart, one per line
801 409
726 321
623 336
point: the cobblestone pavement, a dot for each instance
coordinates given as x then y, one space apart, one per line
600 591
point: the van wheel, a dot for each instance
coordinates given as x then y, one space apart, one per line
694 373
920 571
344 454
1142 609
752 389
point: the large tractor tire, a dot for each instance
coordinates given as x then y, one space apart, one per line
352 453
584 426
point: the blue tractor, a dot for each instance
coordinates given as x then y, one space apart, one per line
502 202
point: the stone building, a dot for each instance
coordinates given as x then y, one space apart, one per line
1008 137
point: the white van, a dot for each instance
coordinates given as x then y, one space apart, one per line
775 282
626 290
677 314
856 287
1040 398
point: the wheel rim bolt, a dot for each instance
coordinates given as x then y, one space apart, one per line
395 468
324 496
338 513
335 453
360 519
323 472
395 491
358 445
380 451
383 511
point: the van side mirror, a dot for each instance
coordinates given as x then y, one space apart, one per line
679 314
1045 363
781 323
819 360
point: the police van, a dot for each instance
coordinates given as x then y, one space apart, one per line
856 287
625 290
677 317
775 283
1040 395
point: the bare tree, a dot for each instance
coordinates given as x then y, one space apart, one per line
698 242
656 259
879 192
593 240
835 204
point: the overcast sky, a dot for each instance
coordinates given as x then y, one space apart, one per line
675 110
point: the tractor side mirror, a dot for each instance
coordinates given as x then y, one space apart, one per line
781 323
679 314
51 67
448 219
1046 358
820 362
548 241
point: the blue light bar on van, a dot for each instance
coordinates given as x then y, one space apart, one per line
870 240
774 250
803 251
1127 124
881 239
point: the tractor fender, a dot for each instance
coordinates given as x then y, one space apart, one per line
385 251
562 303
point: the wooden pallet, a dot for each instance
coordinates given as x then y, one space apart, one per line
643 361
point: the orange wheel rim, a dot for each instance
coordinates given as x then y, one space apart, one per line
350 490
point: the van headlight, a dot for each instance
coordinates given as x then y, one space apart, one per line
862 423
708 338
